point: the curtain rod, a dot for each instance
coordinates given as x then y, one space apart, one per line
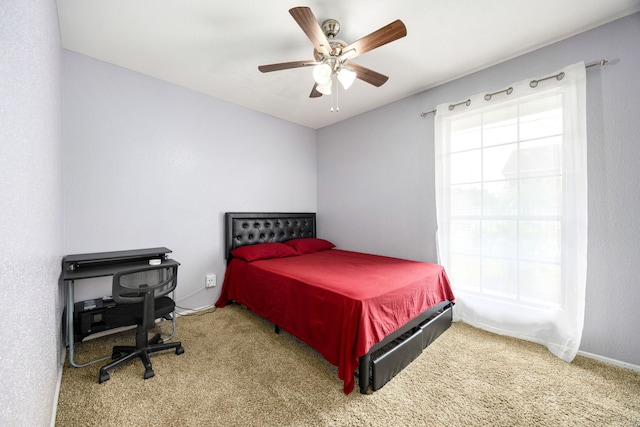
532 83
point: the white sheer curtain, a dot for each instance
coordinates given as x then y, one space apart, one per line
511 196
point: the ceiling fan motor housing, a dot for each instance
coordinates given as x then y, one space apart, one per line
331 28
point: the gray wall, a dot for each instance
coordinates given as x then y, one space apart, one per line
148 163
376 182
30 211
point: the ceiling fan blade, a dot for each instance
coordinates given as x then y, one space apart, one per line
380 37
368 75
309 24
314 92
286 65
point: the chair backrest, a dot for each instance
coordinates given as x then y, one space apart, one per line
131 285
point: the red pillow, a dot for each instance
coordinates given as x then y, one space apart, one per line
308 245
263 251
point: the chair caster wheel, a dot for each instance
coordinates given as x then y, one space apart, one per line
148 374
179 350
104 376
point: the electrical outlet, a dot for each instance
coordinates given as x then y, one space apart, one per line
210 281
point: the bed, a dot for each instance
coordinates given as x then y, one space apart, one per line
369 315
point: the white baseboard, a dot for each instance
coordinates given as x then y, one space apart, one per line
610 361
57 395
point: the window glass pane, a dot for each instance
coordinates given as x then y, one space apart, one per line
465 167
500 198
541 196
500 238
500 162
541 157
466 199
500 127
465 237
465 133
541 117
540 240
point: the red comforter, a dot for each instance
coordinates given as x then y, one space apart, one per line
338 302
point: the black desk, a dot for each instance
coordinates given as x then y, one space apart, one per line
100 264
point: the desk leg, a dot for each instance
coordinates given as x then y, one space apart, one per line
70 331
69 321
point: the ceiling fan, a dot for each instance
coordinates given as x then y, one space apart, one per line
332 57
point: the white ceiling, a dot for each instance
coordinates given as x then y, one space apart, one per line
215 46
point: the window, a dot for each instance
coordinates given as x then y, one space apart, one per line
511 201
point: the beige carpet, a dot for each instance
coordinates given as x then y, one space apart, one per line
237 372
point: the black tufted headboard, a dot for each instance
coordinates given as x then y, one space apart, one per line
250 228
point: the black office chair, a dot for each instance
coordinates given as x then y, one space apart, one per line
145 288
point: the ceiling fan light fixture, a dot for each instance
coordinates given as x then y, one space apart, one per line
322 73
346 77
325 88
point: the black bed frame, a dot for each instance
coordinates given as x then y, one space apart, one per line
386 358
